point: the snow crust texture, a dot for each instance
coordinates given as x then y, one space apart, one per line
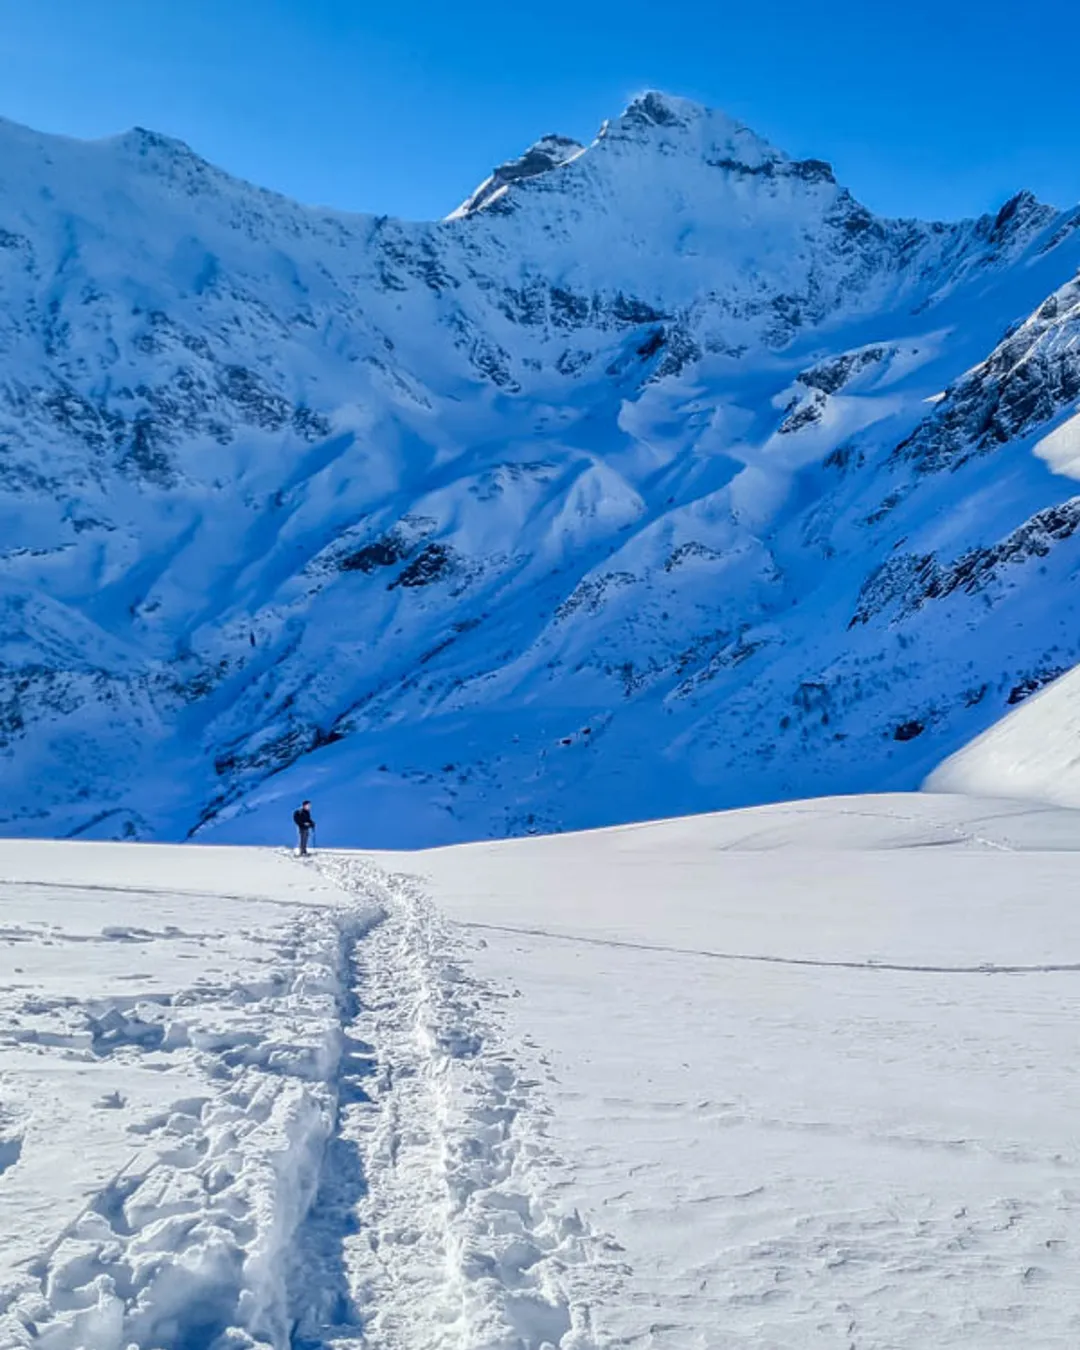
661 476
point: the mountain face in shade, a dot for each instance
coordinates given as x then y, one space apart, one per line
660 476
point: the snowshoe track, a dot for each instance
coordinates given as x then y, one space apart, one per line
458 1243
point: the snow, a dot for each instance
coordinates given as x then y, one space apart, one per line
789 1075
1033 753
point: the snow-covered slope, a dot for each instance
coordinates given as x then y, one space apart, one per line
1033 753
660 476
796 1075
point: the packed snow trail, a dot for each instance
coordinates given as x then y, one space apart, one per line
457 1242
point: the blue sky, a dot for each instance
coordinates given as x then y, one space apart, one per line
931 108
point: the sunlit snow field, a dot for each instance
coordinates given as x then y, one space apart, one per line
793 1076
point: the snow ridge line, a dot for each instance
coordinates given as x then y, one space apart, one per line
188 1245
461 1243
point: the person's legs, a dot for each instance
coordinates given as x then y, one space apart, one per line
303 840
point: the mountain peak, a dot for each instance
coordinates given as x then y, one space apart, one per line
655 120
145 141
655 108
542 156
167 158
155 150
652 122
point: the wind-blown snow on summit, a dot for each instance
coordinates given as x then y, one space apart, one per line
660 476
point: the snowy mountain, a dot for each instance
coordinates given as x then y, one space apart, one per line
660 476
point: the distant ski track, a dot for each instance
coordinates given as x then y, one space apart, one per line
1050 968
15 883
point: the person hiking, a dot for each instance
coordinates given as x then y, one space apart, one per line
304 824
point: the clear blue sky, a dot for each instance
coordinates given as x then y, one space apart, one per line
930 107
